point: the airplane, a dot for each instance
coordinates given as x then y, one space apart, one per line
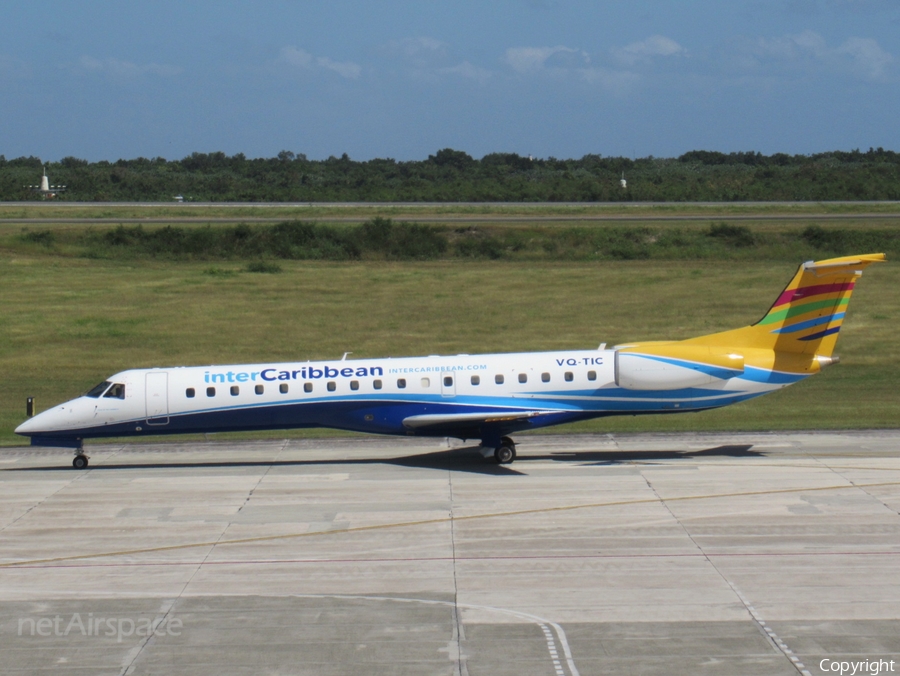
485 397
47 191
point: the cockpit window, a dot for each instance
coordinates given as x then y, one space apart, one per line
100 389
117 391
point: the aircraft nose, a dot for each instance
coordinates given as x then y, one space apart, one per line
52 420
27 427
35 425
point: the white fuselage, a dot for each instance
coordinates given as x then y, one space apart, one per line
466 396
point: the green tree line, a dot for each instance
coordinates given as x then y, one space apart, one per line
454 176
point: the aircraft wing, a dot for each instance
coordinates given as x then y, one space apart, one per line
457 422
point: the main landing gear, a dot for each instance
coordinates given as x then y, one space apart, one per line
81 460
505 453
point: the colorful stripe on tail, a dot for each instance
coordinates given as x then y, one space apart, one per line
809 313
801 327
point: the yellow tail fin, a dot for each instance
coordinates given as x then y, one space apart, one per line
807 315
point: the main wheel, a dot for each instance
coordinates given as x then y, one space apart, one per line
80 462
505 454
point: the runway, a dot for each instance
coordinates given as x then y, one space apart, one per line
755 553
450 218
440 218
449 212
190 204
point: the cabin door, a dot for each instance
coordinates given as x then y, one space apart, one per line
448 384
157 398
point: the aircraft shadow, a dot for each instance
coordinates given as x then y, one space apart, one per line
463 459
621 457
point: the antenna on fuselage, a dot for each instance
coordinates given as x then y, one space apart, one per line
344 358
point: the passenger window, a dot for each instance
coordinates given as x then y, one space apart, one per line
354 384
523 377
448 381
307 387
235 390
426 382
117 391
376 384
592 375
401 383
95 392
545 377
259 389
498 378
476 380
332 386
189 393
210 391
283 388
569 376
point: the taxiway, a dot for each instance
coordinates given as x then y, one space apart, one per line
655 554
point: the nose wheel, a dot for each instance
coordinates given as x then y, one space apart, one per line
81 460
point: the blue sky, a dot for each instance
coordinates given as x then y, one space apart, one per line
109 80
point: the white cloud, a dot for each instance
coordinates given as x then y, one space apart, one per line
422 55
417 47
645 50
527 59
124 70
575 63
426 59
868 57
793 47
618 82
863 56
346 69
300 58
468 71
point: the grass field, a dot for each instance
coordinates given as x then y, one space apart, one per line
67 322
382 239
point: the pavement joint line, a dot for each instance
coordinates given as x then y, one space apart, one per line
130 663
778 643
429 522
132 655
39 503
458 630
838 472
65 485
